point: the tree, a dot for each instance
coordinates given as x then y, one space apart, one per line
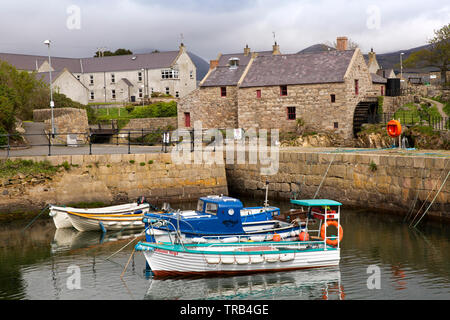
118 52
437 54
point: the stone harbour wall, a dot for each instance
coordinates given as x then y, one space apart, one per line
112 179
385 182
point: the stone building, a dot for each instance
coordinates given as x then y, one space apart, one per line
119 78
329 91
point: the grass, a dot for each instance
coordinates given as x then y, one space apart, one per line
11 168
411 114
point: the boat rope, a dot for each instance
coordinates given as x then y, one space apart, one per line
137 236
324 176
411 210
34 219
429 194
443 184
129 259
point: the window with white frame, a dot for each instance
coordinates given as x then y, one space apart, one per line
113 94
177 94
167 90
92 95
113 78
139 76
191 74
140 92
91 79
169 74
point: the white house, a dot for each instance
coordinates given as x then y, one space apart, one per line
118 78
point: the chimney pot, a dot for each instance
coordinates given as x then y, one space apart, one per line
246 50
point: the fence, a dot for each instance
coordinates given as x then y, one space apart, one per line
128 138
410 119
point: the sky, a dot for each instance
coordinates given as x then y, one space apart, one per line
77 28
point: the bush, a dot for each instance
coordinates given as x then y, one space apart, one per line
3 139
156 110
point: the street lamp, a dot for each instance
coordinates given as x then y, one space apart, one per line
401 65
52 104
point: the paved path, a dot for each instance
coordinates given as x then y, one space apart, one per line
440 108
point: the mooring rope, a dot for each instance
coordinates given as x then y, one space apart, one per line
324 176
34 219
443 184
429 194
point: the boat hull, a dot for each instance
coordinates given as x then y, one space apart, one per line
97 223
167 263
62 220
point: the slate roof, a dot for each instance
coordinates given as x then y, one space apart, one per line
155 60
378 79
224 76
304 68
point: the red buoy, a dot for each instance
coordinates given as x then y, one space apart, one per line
303 236
276 237
394 128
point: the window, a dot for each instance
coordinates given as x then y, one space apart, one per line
336 125
382 90
258 94
211 208
291 113
78 77
139 76
177 94
170 74
283 91
167 90
140 92
223 91
113 94
91 79
191 74
200 206
356 86
92 95
113 78
333 98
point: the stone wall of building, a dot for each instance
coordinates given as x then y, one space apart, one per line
207 105
372 181
112 179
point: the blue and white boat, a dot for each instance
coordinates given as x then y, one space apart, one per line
219 218
217 258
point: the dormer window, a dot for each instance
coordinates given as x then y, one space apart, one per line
233 63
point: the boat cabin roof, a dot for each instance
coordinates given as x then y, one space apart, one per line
219 199
316 202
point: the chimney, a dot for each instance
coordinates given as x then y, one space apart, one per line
213 64
341 43
182 47
276 49
246 50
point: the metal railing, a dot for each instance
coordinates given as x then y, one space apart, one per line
411 119
127 138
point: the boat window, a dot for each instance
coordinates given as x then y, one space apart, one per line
211 208
200 205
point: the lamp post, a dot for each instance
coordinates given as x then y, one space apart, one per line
52 104
401 65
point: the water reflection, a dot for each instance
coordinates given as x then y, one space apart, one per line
322 283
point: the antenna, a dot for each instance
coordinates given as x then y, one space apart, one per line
274 37
181 38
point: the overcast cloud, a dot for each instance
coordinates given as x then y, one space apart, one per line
210 27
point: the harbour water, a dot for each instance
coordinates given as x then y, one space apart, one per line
45 263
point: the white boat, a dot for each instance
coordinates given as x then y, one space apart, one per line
106 222
62 220
167 259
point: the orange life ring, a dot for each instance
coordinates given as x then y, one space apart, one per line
394 128
332 223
